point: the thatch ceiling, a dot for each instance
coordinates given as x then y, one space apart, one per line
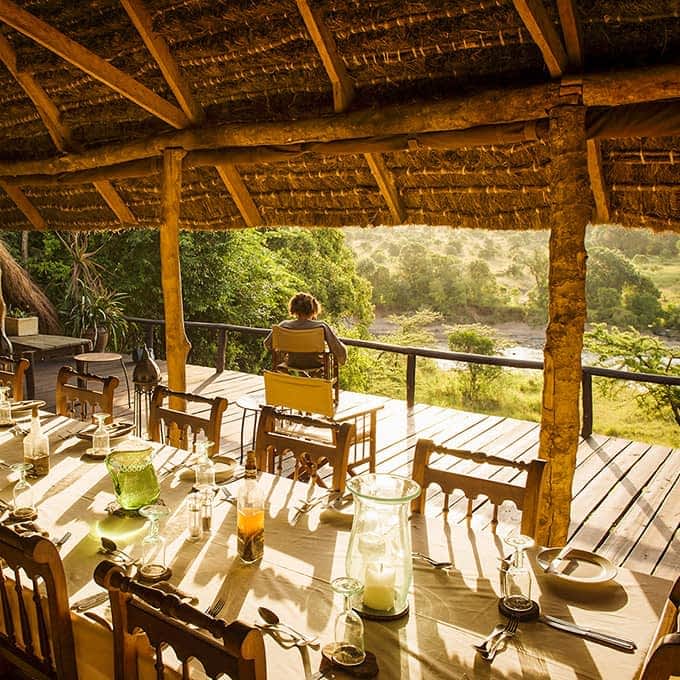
254 81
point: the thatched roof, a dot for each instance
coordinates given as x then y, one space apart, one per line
334 113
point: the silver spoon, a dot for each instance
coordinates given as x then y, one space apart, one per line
273 620
482 646
431 562
111 548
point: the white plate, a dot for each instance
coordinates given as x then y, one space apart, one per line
578 566
224 470
26 405
116 431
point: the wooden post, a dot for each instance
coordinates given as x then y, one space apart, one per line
177 344
573 204
410 380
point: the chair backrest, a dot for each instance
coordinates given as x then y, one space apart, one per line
663 658
235 648
309 395
304 352
12 374
526 498
38 642
280 433
181 428
77 397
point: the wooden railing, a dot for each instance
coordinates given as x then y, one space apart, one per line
411 353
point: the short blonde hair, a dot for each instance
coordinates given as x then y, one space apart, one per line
304 304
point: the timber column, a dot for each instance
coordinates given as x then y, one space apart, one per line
573 204
177 344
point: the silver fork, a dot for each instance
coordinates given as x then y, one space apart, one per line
215 608
508 632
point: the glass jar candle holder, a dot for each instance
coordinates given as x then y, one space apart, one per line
379 552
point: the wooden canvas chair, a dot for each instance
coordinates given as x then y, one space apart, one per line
37 636
663 658
77 397
277 436
181 428
526 498
13 375
235 648
308 346
299 393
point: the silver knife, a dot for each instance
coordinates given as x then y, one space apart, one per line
90 602
554 563
588 633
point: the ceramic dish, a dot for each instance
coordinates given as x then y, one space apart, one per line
27 405
578 566
116 431
224 470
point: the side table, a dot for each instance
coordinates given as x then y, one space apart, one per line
82 360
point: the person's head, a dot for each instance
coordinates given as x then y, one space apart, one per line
304 306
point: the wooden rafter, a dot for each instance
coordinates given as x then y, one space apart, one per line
100 69
571 32
538 23
343 93
343 89
387 188
190 105
597 183
26 207
59 132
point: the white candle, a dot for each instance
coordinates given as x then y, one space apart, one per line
379 587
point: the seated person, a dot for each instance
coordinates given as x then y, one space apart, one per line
305 308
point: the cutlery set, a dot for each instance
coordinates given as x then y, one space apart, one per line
285 635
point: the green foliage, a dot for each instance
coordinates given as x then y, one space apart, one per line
629 350
476 339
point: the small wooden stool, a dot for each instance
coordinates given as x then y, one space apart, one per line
82 360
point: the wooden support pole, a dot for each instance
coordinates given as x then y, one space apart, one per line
538 23
573 205
176 342
26 207
597 182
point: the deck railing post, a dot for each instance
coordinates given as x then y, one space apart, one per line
410 380
149 335
221 350
587 403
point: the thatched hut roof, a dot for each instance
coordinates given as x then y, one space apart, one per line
333 113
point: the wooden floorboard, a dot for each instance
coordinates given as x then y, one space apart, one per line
626 495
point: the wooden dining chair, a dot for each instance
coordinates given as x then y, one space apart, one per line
310 344
37 636
181 428
235 648
13 375
78 397
280 433
526 498
663 658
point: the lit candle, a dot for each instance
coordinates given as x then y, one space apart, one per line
379 587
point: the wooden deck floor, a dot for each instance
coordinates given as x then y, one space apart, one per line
626 494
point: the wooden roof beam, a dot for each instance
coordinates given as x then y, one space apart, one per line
100 69
538 23
571 31
60 133
597 182
343 89
190 105
26 207
343 93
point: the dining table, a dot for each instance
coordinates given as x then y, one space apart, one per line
450 609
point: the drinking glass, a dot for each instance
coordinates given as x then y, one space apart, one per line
349 628
516 576
5 407
22 494
153 544
101 442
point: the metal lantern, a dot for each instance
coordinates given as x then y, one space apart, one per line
145 377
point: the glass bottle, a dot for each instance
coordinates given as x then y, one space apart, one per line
37 447
194 521
101 441
250 514
5 407
204 468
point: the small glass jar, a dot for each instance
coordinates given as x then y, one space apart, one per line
194 522
207 496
